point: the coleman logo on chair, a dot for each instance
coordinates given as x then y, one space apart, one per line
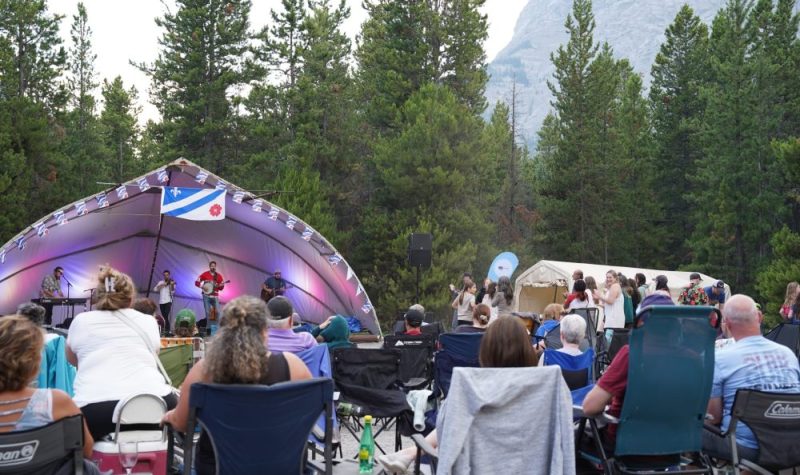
783 410
17 454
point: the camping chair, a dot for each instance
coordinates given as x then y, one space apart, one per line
669 384
787 334
44 449
178 355
774 419
455 350
489 414
258 429
317 360
370 379
576 370
416 358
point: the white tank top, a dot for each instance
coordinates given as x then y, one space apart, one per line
615 312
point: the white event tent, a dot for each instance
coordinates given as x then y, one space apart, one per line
123 226
546 281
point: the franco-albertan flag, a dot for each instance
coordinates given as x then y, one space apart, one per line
196 204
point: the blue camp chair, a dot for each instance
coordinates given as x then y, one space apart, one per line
318 362
257 429
576 369
455 350
671 366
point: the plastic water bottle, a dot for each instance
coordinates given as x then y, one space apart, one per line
366 451
344 409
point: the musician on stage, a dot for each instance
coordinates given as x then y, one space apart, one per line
273 286
211 283
165 289
51 288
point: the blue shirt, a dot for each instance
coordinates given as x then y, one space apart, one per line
752 363
712 297
547 325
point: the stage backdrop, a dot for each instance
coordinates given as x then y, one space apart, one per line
123 226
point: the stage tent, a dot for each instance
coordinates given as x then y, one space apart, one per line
123 226
546 281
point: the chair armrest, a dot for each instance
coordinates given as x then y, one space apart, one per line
577 413
423 445
713 429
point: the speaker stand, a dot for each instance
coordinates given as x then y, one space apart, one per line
417 299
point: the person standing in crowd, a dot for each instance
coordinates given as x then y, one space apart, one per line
752 363
641 286
466 277
51 289
716 294
115 349
273 286
660 295
503 298
239 355
281 335
693 294
465 303
627 296
792 294
166 290
579 298
487 299
613 303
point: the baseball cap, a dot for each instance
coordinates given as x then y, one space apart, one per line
720 284
661 282
694 275
279 308
414 317
185 318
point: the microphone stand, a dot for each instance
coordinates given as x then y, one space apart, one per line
69 286
91 296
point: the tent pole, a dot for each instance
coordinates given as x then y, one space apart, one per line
158 242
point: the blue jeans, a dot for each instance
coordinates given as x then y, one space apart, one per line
208 301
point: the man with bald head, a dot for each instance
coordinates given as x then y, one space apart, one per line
753 362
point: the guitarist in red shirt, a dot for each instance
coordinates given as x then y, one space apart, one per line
211 282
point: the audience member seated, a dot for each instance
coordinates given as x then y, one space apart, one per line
752 363
54 370
573 331
550 318
504 345
115 349
185 323
579 298
239 355
281 335
23 407
609 390
413 322
148 307
334 332
481 316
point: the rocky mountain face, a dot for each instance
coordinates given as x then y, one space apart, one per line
633 28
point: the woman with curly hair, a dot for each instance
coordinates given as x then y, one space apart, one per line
23 407
238 355
115 349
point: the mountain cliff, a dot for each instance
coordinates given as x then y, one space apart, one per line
633 28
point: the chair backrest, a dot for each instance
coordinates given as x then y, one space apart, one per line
44 449
140 408
372 368
416 355
259 429
591 315
455 350
774 419
576 369
433 329
787 334
177 360
318 360
671 365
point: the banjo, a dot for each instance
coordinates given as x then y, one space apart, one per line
209 287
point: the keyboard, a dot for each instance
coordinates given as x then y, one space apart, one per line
59 301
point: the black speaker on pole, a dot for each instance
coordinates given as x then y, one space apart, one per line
419 249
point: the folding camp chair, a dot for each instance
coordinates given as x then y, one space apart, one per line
257 429
671 365
45 449
576 369
416 358
787 334
774 419
455 350
370 379
318 361
489 415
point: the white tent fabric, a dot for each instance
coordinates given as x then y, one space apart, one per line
129 233
546 281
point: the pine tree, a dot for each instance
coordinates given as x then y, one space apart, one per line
119 127
679 73
204 60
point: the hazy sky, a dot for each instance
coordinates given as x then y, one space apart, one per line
124 30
